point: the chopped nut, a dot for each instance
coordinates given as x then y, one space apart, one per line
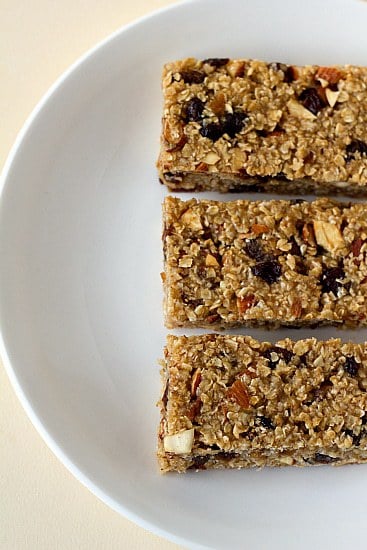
217 104
192 219
179 443
330 74
296 308
296 109
186 261
211 261
244 303
331 96
174 136
211 158
235 68
258 229
308 234
238 392
195 381
328 236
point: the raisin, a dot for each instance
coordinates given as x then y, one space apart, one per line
268 270
192 76
253 187
324 459
351 366
226 455
330 279
311 100
254 249
282 353
213 131
265 422
295 250
216 61
355 146
293 202
199 462
301 267
356 438
290 74
233 123
194 110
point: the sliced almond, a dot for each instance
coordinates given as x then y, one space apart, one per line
211 158
296 308
308 234
195 381
201 167
244 303
238 392
192 219
179 443
296 109
328 236
211 261
331 96
173 135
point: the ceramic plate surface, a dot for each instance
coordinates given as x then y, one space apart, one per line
80 291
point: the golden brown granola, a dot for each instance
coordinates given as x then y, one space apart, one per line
251 125
273 263
231 402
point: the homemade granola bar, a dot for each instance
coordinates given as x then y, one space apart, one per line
233 402
272 263
245 125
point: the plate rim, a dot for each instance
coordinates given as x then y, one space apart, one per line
49 440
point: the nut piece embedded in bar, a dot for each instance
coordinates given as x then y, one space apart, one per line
256 263
249 125
292 403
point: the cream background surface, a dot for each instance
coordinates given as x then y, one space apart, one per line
42 506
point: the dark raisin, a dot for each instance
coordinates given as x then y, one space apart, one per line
262 133
199 462
268 270
301 267
311 100
254 249
295 250
213 130
265 422
290 74
364 419
331 279
297 201
192 76
355 146
282 353
351 366
356 438
233 123
213 447
324 459
249 187
216 61
194 109
226 455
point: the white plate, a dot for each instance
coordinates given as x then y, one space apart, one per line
80 292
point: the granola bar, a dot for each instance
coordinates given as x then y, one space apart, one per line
234 402
272 263
245 125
